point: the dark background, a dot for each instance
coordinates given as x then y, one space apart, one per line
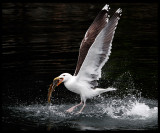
41 40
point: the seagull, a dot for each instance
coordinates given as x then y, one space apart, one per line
94 52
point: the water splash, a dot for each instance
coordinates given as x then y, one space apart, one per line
103 114
129 108
126 108
142 111
127 102
115 112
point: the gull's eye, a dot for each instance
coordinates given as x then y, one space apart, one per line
63 75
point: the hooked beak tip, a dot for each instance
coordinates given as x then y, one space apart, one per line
57 78
60 80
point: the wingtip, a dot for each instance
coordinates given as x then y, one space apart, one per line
106 7
119 10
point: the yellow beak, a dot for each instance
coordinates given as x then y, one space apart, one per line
59 80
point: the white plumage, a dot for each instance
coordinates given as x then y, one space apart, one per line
94 53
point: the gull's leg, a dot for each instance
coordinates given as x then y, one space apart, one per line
72 108
82 107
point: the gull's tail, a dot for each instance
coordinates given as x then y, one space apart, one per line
98 91
101 90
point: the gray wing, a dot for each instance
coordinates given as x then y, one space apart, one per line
95 28
98 53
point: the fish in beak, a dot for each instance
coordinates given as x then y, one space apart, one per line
56 82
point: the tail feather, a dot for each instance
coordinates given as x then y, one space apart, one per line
98 91
101 90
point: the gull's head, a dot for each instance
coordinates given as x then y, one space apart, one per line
63 78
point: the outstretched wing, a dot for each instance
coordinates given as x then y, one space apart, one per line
99 52
95 28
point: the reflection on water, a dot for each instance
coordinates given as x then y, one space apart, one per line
41 41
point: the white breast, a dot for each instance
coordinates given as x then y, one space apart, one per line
73 85
79 87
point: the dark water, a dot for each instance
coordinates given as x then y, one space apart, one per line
41 40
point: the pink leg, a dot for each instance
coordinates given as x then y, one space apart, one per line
72 108
82 108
